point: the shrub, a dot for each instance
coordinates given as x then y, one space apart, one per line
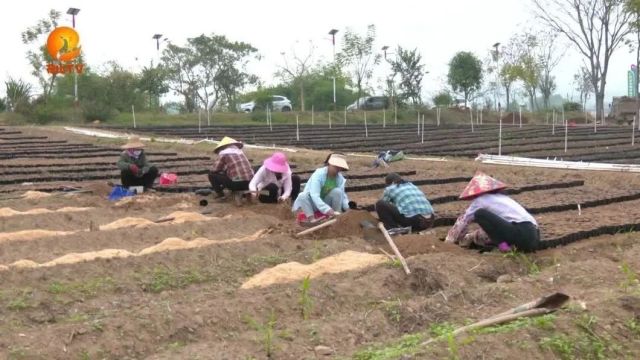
95 110
572 106
3 105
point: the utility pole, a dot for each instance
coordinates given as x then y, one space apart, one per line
333 33
73 12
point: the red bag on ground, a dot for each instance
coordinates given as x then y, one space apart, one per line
168 179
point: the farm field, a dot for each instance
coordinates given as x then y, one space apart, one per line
157 276
608 144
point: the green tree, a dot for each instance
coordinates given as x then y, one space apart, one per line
583 85
508 76
153 81
408 64
209 70
443 99
35 36
358 55
3 105
18 94
465 74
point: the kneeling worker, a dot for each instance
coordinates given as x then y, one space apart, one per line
135 169
232 170
324 195
275 176
503 222
404 205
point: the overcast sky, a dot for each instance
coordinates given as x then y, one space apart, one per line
122 30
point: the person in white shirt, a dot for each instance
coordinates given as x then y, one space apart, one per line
276 177
503 222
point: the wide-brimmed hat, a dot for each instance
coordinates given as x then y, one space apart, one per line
338 160
277 163
226 141
133 143
481 183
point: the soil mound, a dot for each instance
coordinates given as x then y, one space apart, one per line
416 244
294 271
31 234
35 194
181 217
88 256
6 212
347 224
508 118
127 222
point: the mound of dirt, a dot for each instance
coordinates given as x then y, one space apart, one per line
101 189
294 271
35 195
136 200
6 212
347 224
181 217
508 118
88 256
31 234
423 244
127 222
168 244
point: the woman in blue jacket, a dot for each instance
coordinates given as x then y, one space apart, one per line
324 194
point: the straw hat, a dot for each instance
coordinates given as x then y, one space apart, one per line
133 143
277 163
338 160
226 141
481 183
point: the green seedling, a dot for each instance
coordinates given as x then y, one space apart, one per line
266 331
306 303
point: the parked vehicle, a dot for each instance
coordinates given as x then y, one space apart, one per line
278 103
370 103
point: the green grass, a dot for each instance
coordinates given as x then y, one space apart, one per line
630 282
20 301
587 344
407 345
545 322
162 278
82 289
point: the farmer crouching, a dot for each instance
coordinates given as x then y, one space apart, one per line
231 170
404 205
324 195
503 222
275 176
135 169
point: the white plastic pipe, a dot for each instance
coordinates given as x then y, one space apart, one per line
345 116
329 120
208 117
366 130
297 127
556 164
633 132
384 118
422 129
500 137
471 113
312 116
133 113
395 114
418 122
199 120
520 116
566 134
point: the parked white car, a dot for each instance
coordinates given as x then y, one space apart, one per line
278 103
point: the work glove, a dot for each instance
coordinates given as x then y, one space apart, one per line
330 212
134 169
353 205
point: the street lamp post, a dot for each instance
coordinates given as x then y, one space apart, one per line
495 46
73 12
333 33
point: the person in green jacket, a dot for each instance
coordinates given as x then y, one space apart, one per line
135 169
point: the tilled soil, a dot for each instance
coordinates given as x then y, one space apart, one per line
188 303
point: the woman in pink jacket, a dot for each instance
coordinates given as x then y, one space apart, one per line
276 177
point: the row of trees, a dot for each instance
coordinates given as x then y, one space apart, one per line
210 71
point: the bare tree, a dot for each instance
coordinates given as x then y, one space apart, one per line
549 57
583 85
358 53
296 69
596 28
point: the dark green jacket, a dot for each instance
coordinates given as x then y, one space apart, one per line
141 162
